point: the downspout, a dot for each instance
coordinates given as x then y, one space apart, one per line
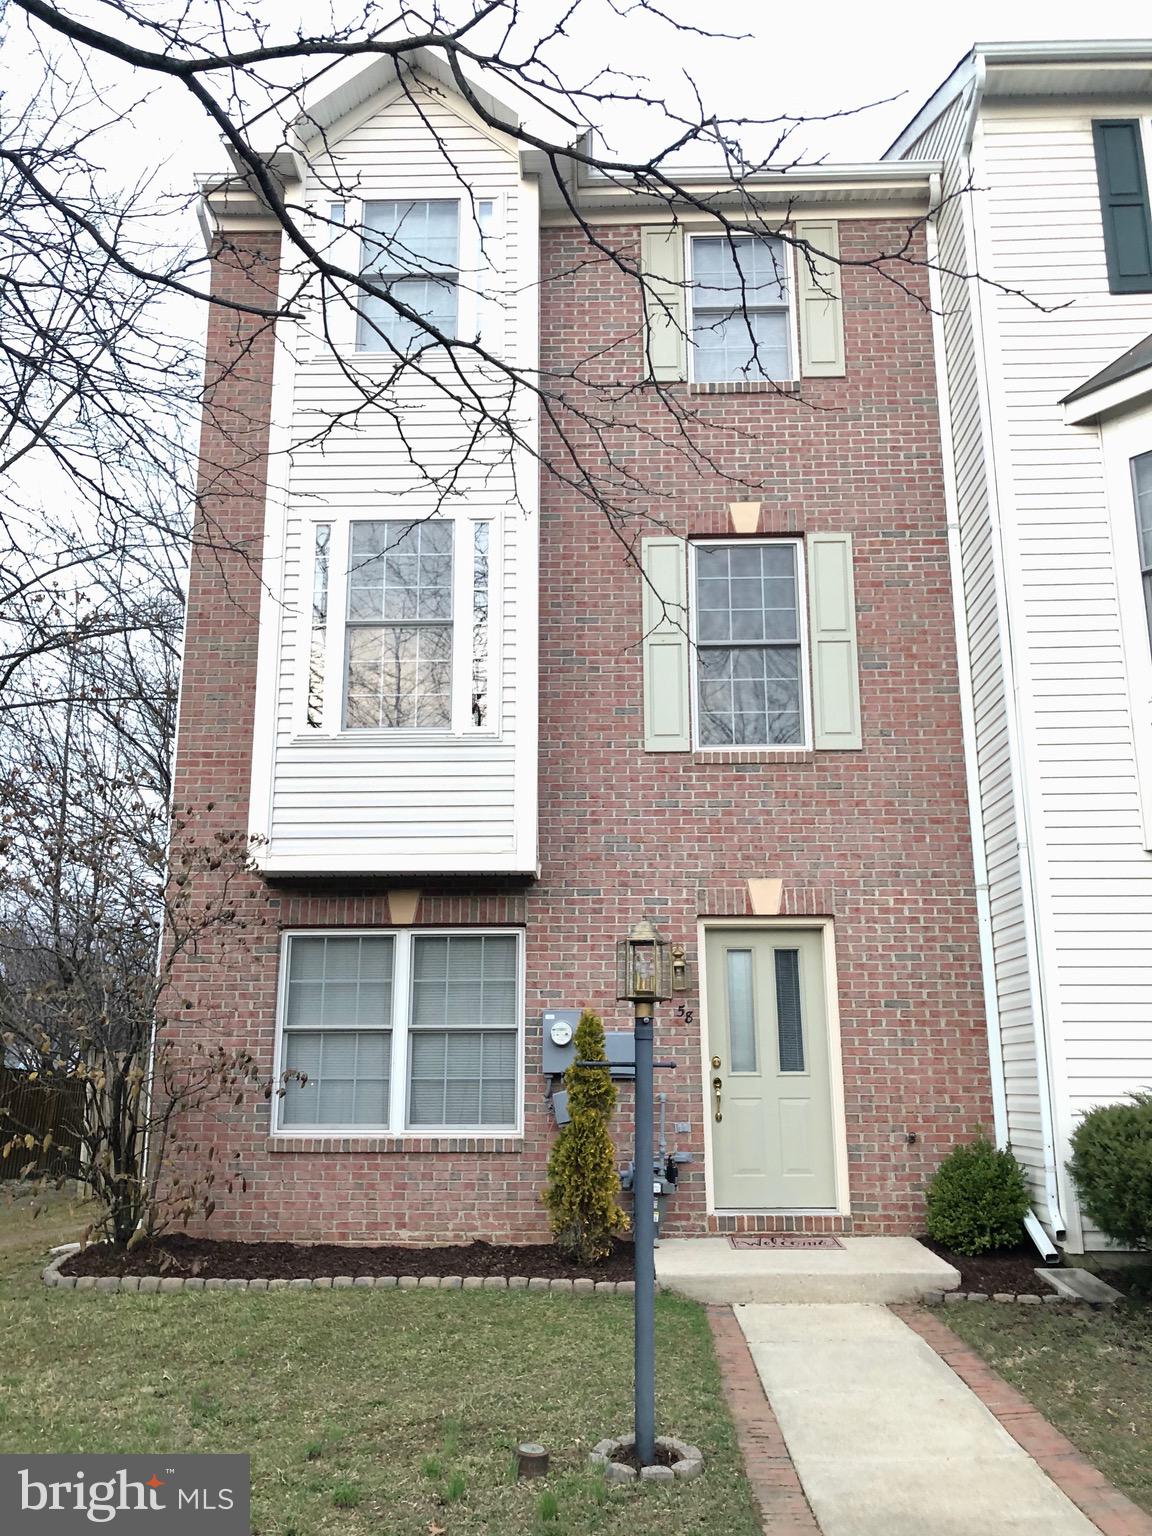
968 719
1032 925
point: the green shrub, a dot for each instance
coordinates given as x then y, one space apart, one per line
583 1184
977 1199
1112 1168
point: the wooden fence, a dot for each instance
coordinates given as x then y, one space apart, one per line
36 1109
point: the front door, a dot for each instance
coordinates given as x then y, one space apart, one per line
769 1087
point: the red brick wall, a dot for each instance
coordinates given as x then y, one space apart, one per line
876 839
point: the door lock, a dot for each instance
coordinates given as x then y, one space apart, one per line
717 1086
715 1061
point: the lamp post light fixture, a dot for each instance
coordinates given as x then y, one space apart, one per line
644 978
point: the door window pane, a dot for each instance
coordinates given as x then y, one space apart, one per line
741 1012
789 1024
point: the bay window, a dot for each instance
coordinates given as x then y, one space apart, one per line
399 1032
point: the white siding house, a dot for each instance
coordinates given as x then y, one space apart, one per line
346 779
1035 302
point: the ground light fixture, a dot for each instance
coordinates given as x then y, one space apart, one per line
644 978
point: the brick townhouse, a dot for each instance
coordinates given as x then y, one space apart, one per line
474 737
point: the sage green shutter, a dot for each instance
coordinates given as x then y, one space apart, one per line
1124 205
818 300
662 263
832 614
667 727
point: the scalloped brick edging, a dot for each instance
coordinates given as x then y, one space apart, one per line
689 1463
1076 1286
166 1286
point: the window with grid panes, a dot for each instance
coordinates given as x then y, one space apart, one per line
740 317
399 1031
411 250
749 682
399 625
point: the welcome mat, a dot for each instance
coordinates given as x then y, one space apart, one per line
786 1240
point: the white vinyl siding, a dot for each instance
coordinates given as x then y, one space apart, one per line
1051 598
400 1032
1000 813
423 798
1046 237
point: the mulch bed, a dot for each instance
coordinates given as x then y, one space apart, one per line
627 1457
1009 1271
183 1257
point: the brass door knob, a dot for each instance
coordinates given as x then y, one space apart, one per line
717 1086
715 1062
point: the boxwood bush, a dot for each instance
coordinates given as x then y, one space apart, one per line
1112 1167
977 1199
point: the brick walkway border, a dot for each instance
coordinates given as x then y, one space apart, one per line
1108 1509
784 1509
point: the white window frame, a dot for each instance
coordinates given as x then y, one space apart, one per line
478 275
401 1031
791 328
335 651
1123 439
694 546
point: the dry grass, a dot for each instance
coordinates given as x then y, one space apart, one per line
390 1412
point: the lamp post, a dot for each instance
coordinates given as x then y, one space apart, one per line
643 979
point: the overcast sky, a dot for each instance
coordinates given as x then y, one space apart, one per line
815 57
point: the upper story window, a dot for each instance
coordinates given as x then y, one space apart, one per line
400 623
749 636
1124 205
1142 493
411 250
740 322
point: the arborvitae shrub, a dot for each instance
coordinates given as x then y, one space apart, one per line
1112 1167
583 1184
977 1199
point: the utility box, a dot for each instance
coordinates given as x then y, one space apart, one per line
558 1054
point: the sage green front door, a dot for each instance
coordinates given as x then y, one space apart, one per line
770 1096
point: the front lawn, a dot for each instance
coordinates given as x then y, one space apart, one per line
1089 1373
390 1412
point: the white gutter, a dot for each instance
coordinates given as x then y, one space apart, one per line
1032 1223
1017 772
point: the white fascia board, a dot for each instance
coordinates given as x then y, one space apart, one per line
334 865
874 183
939 101
1109 398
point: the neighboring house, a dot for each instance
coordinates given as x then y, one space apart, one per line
473 743
1047 369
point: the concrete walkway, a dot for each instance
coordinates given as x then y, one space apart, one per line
886 1438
